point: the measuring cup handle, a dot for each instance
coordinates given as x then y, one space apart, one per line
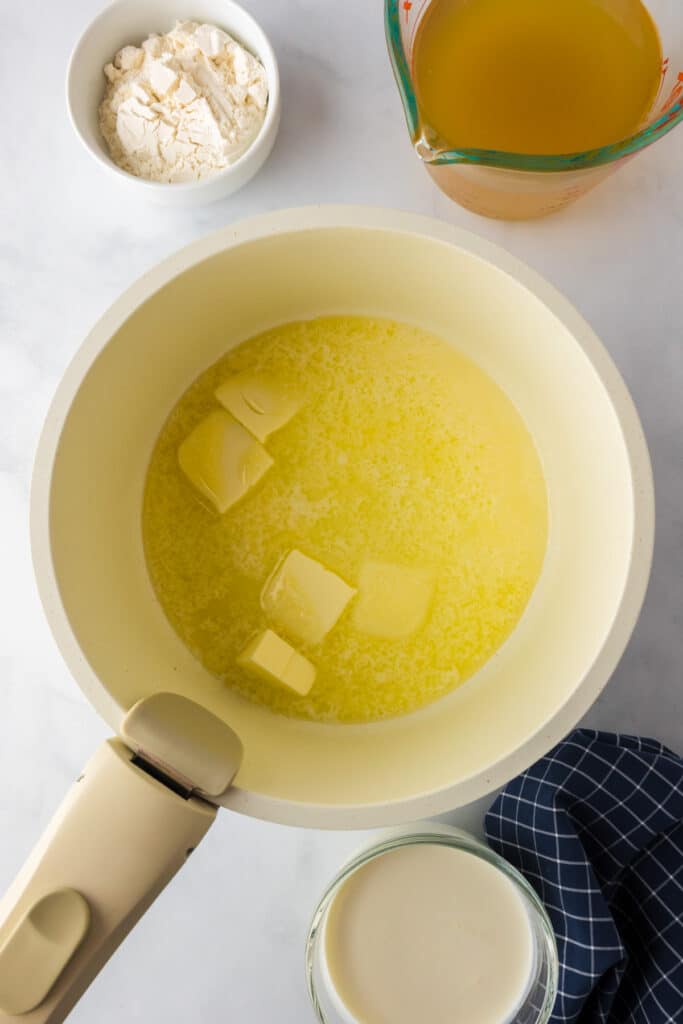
116 841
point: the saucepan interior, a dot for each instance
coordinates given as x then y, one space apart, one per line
178 320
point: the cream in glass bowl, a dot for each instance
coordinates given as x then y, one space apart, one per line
429 924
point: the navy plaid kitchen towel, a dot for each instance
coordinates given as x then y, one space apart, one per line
597 829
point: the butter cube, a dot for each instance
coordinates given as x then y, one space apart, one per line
304 598
393 600
222 459
270 657
259 403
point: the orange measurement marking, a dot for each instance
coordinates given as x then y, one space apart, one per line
675 95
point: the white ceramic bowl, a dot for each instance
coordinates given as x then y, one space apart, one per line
131 21
180 318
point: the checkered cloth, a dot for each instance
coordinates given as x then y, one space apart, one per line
597 829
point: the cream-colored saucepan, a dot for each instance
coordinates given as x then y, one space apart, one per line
149 796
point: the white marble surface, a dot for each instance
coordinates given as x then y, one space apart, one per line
225 940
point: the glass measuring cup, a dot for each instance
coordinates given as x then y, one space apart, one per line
515 186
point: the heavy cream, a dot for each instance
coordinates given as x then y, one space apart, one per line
429 933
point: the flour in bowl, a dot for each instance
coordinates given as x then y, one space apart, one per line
184 105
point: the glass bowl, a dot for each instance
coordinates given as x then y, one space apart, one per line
541 992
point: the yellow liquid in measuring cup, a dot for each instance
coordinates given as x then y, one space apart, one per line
536 76
401 453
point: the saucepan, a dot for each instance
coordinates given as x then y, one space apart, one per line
185 744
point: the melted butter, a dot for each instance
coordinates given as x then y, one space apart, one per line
403 452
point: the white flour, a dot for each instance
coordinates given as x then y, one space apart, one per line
183 105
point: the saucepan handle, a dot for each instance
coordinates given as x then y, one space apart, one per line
117 840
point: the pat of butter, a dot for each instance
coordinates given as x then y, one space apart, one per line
260 404
270 657
393 600
222 459
304 598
